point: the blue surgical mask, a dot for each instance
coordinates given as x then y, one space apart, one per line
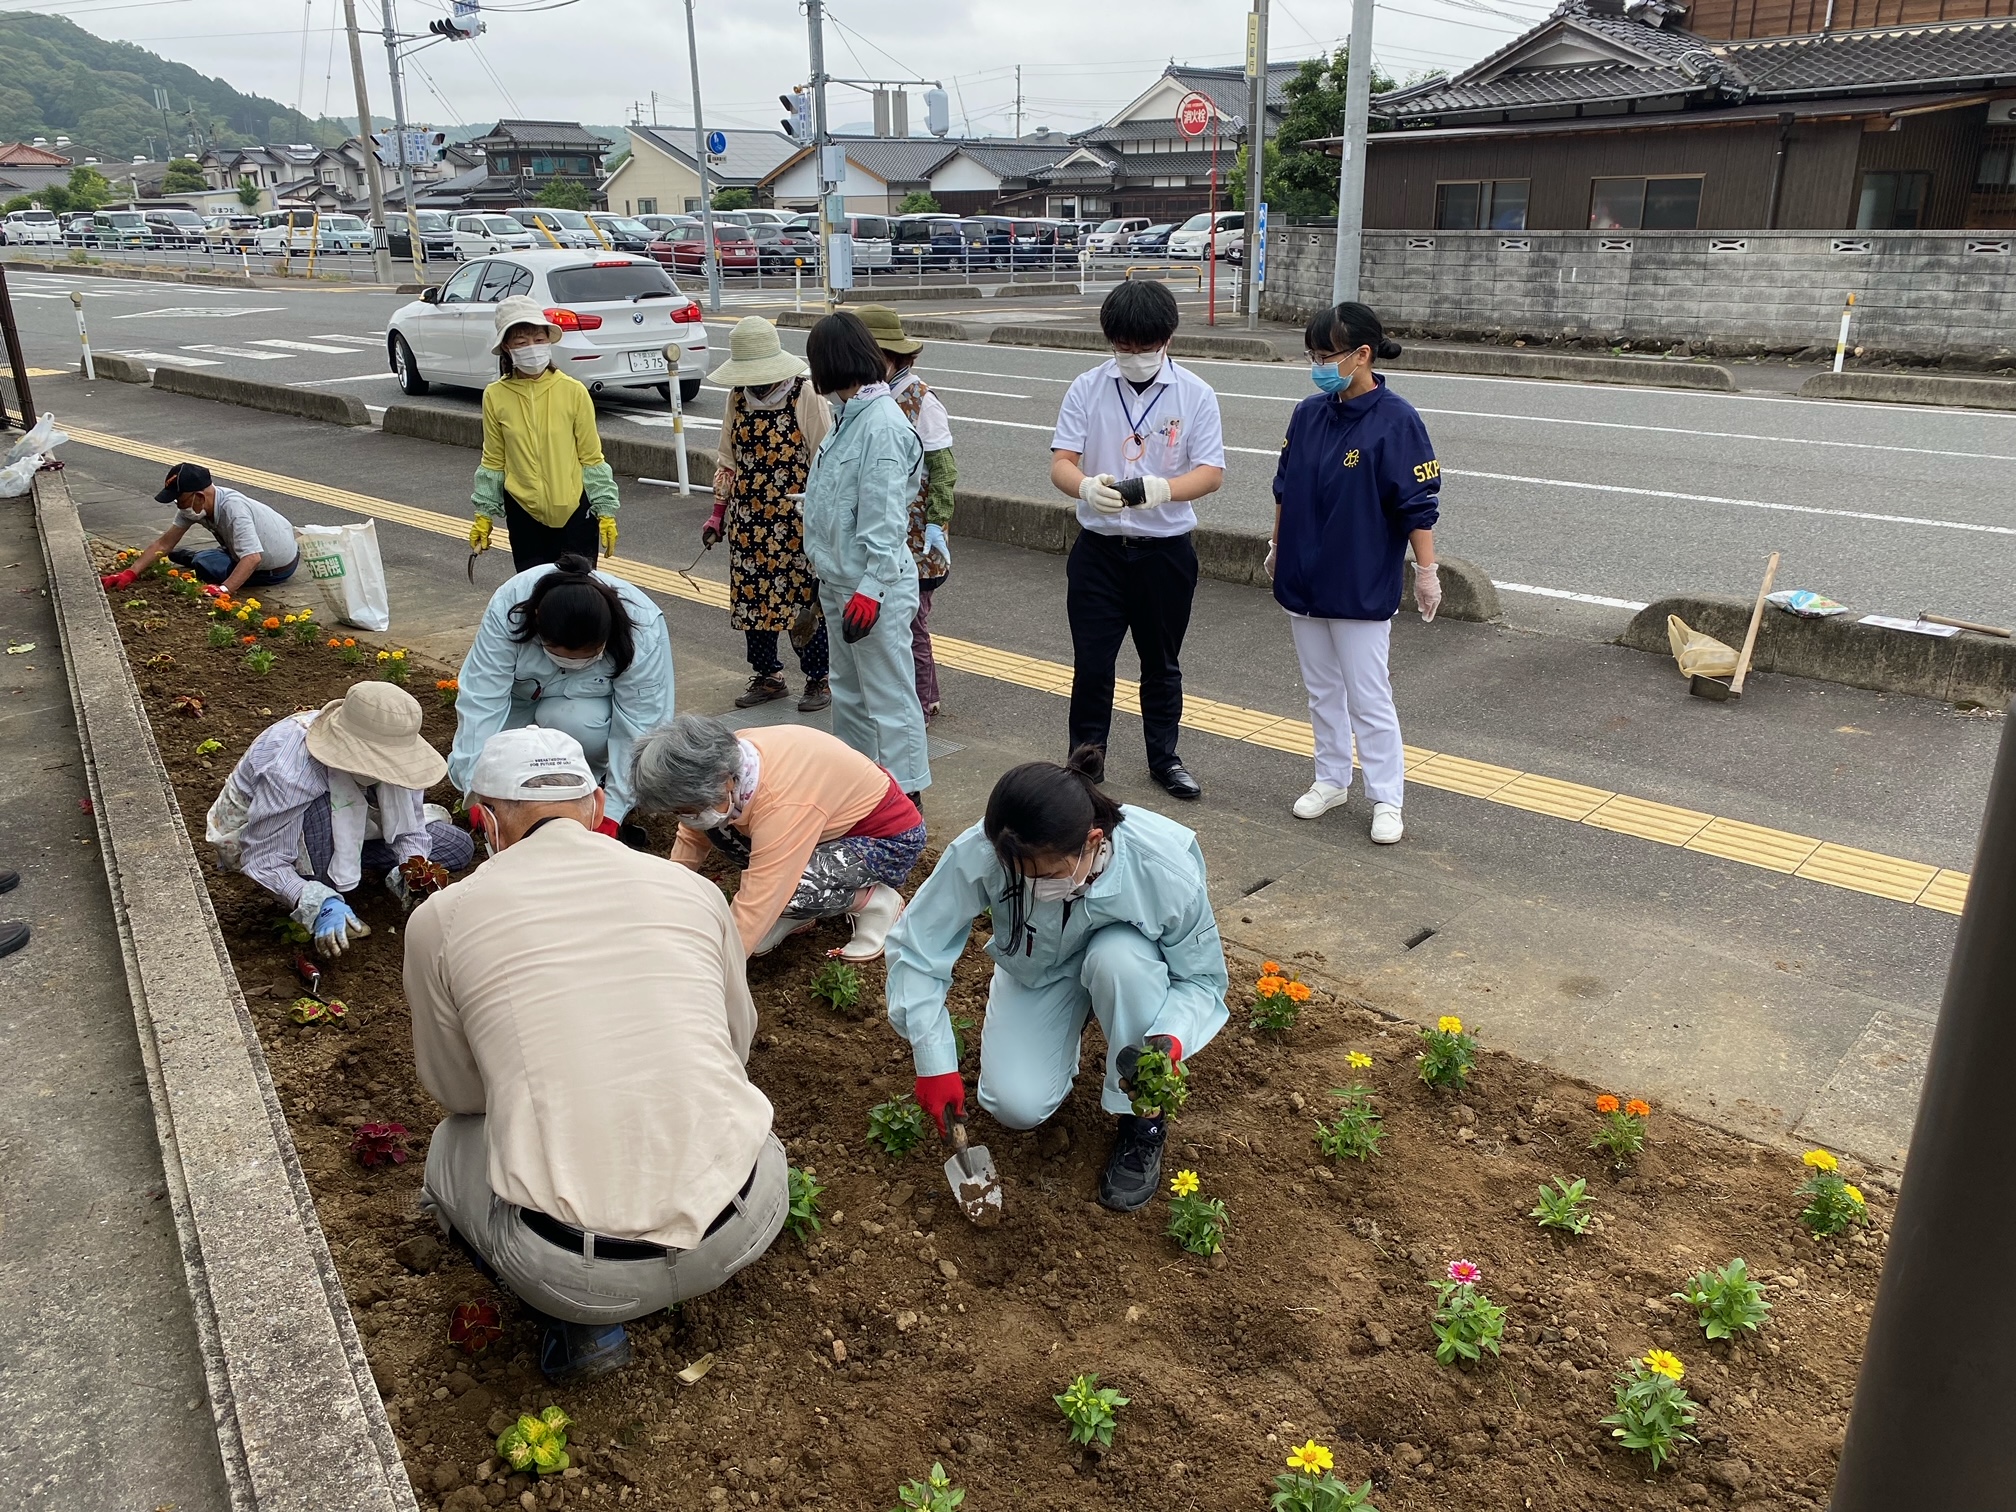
1327 377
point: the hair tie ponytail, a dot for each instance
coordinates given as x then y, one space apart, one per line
572 607
1387 350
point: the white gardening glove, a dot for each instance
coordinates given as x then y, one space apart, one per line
1427 590
1154 490
1098 491
934 540
1268 565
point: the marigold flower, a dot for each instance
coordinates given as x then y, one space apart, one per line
1311 1459
384 656
1465 1272
444 684
1270 986
1357 1060
349 641
244 614
248 640
335 644
251 603
400 654
1449 1024
271 622
1854 1191
1606 1104
1820 1160
1638 1108
1184 1183
1270 968
1299 991
287 621
1664 1362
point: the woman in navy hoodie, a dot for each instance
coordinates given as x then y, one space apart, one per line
1357 484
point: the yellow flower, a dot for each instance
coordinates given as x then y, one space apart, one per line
1666 1363
1820 1160
1357 1060
399 655
1311 1459
252 603
1184 1183
384 656
1449 1024
1854 1191
288 620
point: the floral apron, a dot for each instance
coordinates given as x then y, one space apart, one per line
770 584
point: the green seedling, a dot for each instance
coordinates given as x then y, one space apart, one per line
839 984
210 748
802 1217
536 1445
962 1025
897 1126
1654 1411
1088 1410
1354 1134
221 634
1448 1054
1564 1206
1197 1223
937 1494
1158 1085
1466 1322
260 660
1727 1300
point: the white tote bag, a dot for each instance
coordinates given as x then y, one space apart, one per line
343 561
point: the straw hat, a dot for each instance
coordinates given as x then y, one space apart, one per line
373 731
756 358
519 310
886 326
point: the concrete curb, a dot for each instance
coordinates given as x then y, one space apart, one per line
1913 388
1522 364
300 1425
1233 348
1965 667
144 275
117 368
915 291
308 404
922 326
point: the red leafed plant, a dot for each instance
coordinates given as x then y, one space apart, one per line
189 706
376 1144
423 877
474 1326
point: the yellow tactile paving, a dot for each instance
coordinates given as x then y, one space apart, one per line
1841 866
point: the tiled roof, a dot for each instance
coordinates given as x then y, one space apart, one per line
26 155
896 160
542 134
1515 91
1016 159
1226 87
1954 54
750 156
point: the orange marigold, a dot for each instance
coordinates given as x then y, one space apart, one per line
1606 1104
349 640
335 644
271 622
1270 968
1270 986
1638 1108
1299 991
248 640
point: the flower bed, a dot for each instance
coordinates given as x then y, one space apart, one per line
894 1336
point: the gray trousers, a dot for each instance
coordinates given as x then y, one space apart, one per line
564 1284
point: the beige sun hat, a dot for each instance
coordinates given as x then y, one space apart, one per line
519 310
373 731
756 358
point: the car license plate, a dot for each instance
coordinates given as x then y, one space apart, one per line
647 362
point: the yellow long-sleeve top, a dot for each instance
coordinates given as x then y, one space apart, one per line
540 446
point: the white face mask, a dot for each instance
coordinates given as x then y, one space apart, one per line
710 818
532 359
1138 367
1065 889
572 663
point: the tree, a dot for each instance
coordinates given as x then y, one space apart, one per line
733 199
89 189
919 202
1296 180
183 177
564 194
19 202
248 194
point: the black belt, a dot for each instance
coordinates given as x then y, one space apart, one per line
575 1241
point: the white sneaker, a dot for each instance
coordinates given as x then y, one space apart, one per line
1320 799
1386 826
872 924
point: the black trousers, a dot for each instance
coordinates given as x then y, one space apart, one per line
1121 585
536 545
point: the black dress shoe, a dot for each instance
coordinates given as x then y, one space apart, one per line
9 880
1179 783
13 935
1134 1169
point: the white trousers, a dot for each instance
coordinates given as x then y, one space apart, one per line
1344 671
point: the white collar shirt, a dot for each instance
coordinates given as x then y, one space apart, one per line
1176 419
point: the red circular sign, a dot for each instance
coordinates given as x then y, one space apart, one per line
1193 116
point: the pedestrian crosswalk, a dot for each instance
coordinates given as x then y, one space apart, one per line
199 354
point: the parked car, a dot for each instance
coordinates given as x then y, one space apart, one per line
77 227
734 249
29 228
176 228
119 228
1232 246
1192 240
231 230
910 240
780 249
289 231
616 313
1153 242
437 236
479 235
563 228
755 218
957 243
872 246
659 224
622 233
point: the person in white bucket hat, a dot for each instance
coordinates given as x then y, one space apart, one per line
605 1153
328 794
542 471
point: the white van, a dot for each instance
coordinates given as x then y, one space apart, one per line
873 245
480 235
1110 238
1191 240
25 228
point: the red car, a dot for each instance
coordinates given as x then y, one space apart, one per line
733 246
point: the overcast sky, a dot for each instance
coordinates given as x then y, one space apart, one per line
593 60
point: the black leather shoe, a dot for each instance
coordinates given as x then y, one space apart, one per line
13 935
1134 1169
764 687
9 880
1178 783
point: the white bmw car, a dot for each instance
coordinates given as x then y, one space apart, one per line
617 314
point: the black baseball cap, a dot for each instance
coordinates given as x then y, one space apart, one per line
183 478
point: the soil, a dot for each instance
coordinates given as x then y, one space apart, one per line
899 1335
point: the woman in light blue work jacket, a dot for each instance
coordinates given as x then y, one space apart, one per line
567 648
1098 910
857 524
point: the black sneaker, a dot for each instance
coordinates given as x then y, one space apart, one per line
764 687
13 935
1134 1169
570 1353
818 695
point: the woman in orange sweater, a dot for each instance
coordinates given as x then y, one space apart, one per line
818 829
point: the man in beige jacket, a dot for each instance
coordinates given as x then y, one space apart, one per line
605 1153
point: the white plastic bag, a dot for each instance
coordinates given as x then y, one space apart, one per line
26 456
344 563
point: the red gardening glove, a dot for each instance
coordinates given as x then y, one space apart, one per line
858 618
1124 1061
938 1095
215 590
610 828
117 580
711 531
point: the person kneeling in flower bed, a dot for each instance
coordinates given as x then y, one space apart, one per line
326 795
605 1153
255 543
1098 910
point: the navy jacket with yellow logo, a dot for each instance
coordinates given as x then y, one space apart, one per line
1355 476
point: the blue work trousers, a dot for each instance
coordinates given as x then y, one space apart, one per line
874 682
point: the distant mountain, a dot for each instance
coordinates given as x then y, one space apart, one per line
56 79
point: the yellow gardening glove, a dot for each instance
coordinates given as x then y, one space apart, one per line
607 525
479 533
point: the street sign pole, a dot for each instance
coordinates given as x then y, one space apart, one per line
1256 153
815 20
399 127
709 253
1351 169
381 252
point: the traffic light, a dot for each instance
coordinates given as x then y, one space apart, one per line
937 112
463 26
798 124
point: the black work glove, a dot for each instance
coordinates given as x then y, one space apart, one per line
1125 1061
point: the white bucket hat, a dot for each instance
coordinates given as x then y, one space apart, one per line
756 358
373 731
519 310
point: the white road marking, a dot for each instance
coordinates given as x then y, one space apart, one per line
364 341
1563 593
946 388
353 378
303 346
244 352
173 359
204 312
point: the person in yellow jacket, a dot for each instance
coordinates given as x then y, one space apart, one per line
542 471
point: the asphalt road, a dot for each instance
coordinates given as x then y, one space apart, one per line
1562 492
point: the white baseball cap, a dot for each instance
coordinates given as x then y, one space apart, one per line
524 763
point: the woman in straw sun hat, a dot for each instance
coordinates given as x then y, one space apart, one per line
542 471
773 424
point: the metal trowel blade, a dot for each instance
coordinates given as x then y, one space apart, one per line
975 1183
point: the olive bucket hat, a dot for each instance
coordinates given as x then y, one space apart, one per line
886 326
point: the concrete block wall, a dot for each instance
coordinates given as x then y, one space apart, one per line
1920 295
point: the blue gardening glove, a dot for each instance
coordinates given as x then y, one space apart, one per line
336 926
934 540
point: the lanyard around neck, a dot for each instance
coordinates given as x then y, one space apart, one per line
1134 426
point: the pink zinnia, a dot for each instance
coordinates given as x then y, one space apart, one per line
1465 1272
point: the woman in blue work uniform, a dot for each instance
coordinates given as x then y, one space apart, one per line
568 648
857 526
1356 485
1097 910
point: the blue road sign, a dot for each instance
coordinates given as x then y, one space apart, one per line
1260 248
717 142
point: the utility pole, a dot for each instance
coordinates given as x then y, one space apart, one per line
1930 1427
399 126
710 254
381 250
1018 102
1351 170
1256 155
815 19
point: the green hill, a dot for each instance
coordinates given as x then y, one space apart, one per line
58 79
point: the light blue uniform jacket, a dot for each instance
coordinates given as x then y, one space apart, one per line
857 504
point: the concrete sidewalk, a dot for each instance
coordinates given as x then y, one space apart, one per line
104 1390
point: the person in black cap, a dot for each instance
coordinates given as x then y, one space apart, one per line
255 542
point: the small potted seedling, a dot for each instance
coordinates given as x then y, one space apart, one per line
802 1217
1157 1084
1196 1223
423 877
474 1326
1088 1411
1448 1054
1727 1301
377 1144
1354 1134
536 1445
1621 1135
1466 1322
839 984
1564 1206
1833 1203
1277 999
934 1494
896 1127
1310 1487
1654 1411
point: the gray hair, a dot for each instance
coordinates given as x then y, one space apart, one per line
680 767
509 810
